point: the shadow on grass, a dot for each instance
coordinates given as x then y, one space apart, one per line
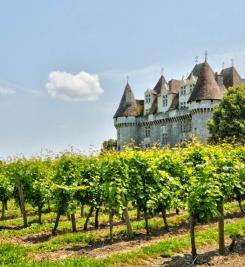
210 258
40 238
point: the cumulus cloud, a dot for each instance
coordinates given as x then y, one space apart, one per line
75 87
6 91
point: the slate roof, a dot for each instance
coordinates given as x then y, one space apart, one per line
206 87
196 70
174 86
175 102
159 85
140 105
153 108
219 80
231 77
128 106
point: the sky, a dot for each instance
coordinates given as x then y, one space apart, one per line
64 63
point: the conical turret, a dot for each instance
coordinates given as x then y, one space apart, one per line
158 87
128 104
206 87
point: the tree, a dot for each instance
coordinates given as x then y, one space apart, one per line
6 189
110 144
228 121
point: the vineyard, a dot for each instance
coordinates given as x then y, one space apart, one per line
60 210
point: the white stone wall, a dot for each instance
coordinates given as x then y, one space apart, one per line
199 125
147 104
186 88
201 113
198 114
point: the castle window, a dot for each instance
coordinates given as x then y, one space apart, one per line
183 90
185 126
189 126
183 105
147 131
128 96
164 100
148 98
118 134
164 138
182 127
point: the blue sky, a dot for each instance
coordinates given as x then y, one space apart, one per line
63 63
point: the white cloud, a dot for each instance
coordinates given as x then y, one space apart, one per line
75 87
9 88
6 91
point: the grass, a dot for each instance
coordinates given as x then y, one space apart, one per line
15 255
12 254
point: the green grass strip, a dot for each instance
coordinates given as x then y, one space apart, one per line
13 255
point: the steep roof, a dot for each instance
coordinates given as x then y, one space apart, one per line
159 85
196 70
153 108
175 102
231 77
174 86
219 80
128 106
206 87
140 106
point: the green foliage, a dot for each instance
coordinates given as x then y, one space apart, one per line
110 144
158 179
195 177
229 117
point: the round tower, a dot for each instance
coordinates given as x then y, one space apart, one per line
125 118
206 94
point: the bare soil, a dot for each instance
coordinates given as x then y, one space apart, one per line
208 256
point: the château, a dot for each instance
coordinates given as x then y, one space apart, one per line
173 110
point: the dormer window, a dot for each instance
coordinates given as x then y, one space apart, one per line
148 99
128 97
183 90
165 101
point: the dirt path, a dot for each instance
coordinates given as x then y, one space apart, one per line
207 256
103 249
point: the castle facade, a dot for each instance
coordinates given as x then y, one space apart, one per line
173 110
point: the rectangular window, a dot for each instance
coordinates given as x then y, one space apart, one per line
148 99
118 134
185 126
183 90
164 138
183 105
189 125
182 127
147 131
165 101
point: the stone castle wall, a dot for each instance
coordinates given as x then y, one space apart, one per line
168 128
